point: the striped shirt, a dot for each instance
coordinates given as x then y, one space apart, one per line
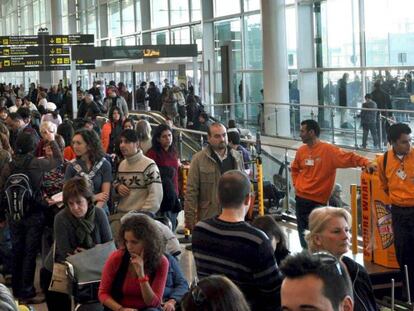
243 254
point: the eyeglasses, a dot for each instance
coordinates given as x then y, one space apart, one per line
197 293
328 259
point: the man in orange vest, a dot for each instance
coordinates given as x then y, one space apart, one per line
396 173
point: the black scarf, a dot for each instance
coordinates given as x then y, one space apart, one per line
84 227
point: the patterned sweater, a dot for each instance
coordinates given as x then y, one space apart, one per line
140 174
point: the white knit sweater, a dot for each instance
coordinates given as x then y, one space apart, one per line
141 175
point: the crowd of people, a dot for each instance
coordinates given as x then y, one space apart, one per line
71 185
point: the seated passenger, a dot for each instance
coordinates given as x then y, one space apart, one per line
228 245
48 132
77 227
278 239
134 276
172 244
216 293
51 114
329 231
176 286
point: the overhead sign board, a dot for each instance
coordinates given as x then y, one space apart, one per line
47 40
34 50
19 40
69 39
134 52
38 63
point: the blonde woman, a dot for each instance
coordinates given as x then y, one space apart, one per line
329 231
48 132
144 135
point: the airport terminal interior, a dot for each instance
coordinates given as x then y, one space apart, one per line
182 154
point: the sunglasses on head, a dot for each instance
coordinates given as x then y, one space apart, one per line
197 293
328 259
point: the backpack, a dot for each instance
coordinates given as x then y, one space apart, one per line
18 192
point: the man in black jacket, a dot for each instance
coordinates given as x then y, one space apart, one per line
383 101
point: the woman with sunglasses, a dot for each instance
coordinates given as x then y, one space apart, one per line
217 293
329 231
134 276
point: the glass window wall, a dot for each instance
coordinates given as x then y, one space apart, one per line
138 26
159 13
228 33
251 5
291 44
114 19
197 37
180 35
253 41
160 37
389 32
179 12
128 24
222 8
195 10
340 33
91 15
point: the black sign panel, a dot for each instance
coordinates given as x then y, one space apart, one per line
134 52
34 50
49 68
69 39
19 40
47 40
39 63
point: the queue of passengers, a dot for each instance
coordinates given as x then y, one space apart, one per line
89 188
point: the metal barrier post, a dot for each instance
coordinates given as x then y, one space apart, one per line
287 192
180 144
355 130
277 133
260 185
354 212
380 130
332 125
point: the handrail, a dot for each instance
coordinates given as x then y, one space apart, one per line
310 106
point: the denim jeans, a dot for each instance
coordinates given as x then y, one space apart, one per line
172 217
26 238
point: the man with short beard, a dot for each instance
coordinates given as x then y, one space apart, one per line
314 170
206 168
114 100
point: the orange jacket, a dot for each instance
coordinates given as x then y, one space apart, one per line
106 135
315 182
68 153
400 192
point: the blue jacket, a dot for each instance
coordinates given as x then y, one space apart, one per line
176 285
